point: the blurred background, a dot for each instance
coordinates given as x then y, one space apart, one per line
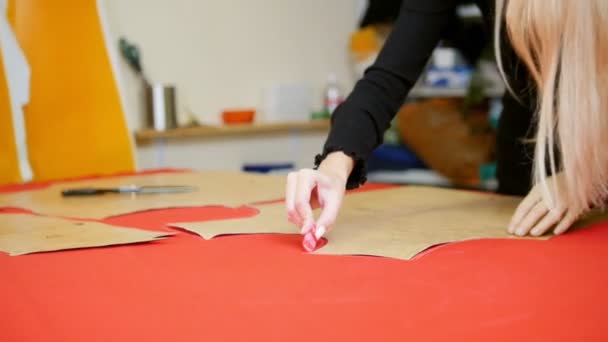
93 87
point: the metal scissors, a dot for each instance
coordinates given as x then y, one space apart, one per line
131 189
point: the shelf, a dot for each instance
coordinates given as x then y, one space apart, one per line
422 177
412 176
425 92
148 135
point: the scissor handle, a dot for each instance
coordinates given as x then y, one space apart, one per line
86 192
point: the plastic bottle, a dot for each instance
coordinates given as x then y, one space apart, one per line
333 96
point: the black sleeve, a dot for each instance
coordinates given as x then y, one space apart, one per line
358 124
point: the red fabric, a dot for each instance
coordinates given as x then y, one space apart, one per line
264 287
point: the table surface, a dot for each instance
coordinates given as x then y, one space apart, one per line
264 287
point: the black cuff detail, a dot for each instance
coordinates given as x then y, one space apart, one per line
357 177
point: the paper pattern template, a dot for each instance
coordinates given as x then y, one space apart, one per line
214 188
24 234
396 223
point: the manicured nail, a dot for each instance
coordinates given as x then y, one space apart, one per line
319 232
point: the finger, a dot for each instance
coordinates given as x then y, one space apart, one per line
322 181
290 199
522 210
567 222
333 202
531 218
306 183
552 218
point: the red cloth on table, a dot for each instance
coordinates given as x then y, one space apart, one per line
265 287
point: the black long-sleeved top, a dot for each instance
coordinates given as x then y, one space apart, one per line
359 123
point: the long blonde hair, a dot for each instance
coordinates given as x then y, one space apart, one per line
564 44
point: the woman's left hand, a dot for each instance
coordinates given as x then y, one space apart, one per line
534 217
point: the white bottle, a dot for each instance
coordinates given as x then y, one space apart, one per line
333 94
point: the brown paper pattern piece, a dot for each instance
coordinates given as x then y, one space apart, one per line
24 234
397 223
224 188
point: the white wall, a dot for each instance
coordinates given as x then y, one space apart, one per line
296 148
221 53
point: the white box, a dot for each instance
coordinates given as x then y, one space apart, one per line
287 103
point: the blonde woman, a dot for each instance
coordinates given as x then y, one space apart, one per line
553 132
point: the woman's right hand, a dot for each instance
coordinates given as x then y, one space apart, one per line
326 185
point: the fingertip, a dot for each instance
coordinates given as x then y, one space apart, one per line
293 220
515 222
325 224
320 231
560 230
291 212
537 233
293 217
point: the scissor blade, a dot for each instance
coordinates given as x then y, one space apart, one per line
166 189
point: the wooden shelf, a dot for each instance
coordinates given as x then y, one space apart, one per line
148 135
426 92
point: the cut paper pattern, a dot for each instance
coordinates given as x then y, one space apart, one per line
223 188
397 223
23 234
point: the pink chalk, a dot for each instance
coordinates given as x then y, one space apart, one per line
310 239
309 242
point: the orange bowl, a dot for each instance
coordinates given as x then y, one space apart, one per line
238 116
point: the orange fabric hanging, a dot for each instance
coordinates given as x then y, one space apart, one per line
75 122
10 12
